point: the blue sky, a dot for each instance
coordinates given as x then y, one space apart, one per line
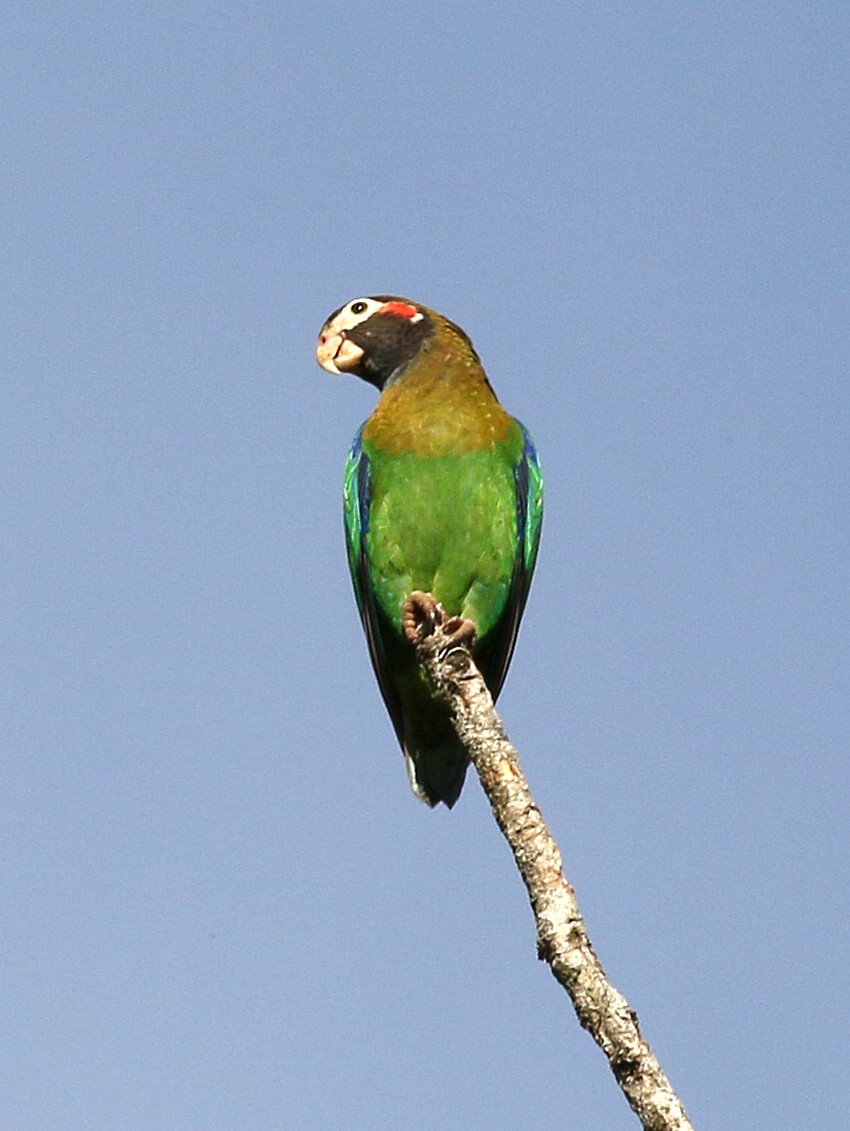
223 908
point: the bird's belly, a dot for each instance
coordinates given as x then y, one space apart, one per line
449 531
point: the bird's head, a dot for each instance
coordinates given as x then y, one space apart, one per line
373 338
376 338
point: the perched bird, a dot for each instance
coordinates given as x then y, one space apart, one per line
443 505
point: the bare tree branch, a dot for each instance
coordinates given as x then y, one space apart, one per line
562 938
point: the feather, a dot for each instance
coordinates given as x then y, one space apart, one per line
494 655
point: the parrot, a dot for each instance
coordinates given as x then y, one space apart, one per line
443 506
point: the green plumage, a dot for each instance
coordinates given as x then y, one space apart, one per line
446 525
443 494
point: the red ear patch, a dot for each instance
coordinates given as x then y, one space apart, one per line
401 310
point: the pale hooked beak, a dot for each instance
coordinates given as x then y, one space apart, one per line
336 353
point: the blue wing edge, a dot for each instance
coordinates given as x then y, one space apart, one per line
357 491
495 654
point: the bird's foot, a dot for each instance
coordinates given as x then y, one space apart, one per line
460 632
423 614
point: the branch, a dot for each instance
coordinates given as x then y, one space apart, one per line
562 938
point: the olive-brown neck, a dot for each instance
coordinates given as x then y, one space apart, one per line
442 404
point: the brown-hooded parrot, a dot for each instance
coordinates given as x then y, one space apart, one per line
443 500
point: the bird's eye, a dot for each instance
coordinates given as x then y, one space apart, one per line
358 307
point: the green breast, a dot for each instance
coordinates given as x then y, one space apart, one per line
446 525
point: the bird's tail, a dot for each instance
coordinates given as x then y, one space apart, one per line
436 770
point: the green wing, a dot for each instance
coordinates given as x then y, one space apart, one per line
355 502
494 655
357 496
